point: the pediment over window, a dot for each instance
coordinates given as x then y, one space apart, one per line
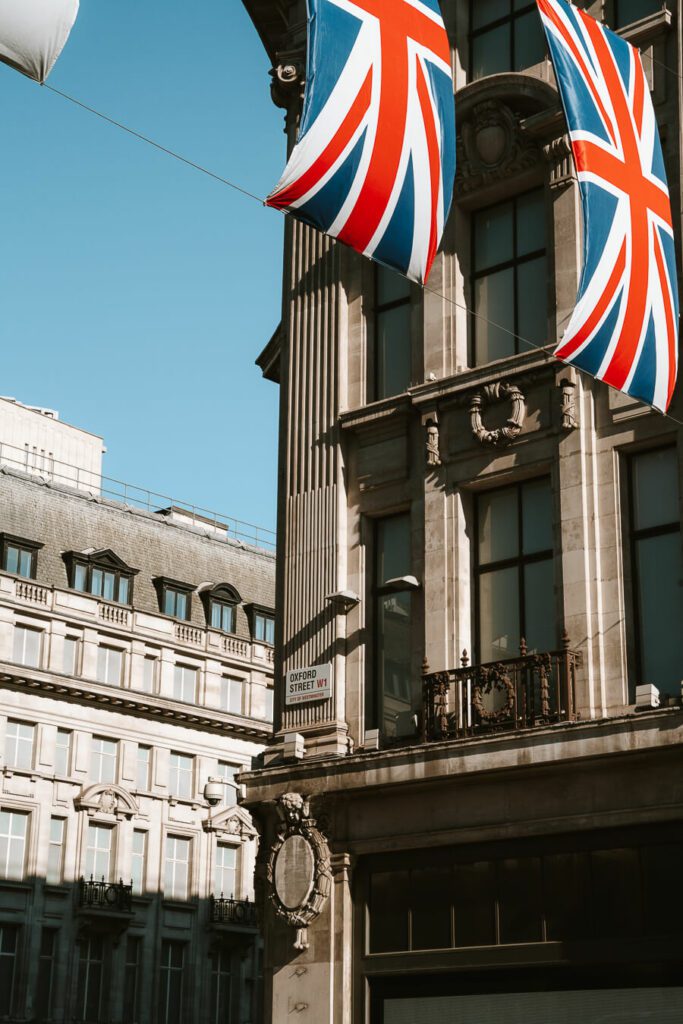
104 558
107 800
231 823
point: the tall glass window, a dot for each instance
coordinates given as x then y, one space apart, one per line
181 781
225 874
393 617
172 968
44 991
220 984
514 570
176 603
132 978
628 11
393 350
70 656
55 853
231 694
264 628
139 861
63 752
9 935
177 871
506 35
509 280
185 683
143 766
98 854
27 646
149 674
13 836
109 665
103 759
657 568
90 990
222 616
19 743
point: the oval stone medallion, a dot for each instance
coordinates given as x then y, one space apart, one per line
294 872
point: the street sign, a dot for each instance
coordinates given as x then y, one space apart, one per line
303 685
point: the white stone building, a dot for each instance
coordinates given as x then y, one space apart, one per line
135 666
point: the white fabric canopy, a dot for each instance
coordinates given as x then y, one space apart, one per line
33 33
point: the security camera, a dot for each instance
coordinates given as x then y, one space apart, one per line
213 792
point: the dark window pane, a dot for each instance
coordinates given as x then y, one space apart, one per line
491 52
391 287
108 586
486 11
655 489
532 304
393 351
499 614
430 899
498 526
530 47
394 662
12 559
537 516
389 908
566 883
393 548
474 903
660 603
493 236
123 590
520 900
539 606
494 316
628 11
616 892
662 869
531 234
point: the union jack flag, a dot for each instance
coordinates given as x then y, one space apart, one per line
624 329
374 163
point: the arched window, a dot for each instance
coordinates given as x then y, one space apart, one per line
220 604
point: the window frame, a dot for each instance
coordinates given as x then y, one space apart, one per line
169 1012
181 773
105 652
60 846
15 930
68 747
165 586
142 858
187 890
100 754
180 668
519 562
40 634
220 847
225 596
508 19
104 561
381 308
256 612
26 546
228 685
9 836
109 830
17 740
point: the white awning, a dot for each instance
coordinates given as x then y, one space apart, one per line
33 33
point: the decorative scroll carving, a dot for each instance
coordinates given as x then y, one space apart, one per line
491 147
493 393
288 78
298 870
568 409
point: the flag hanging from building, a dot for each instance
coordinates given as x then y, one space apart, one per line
33 34
374 163
624 329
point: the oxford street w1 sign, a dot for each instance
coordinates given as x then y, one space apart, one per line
303 685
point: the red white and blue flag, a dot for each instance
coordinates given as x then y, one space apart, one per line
624 329
374 163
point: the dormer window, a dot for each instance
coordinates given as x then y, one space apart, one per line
19 556
220 605
175 598
262 622
102 574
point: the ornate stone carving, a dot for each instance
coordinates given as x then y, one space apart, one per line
568 409
288 78
491 147
494 393
232 822
558 154
298 870
433 452
107 799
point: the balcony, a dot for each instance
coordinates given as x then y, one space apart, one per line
232 913
520 693
105 906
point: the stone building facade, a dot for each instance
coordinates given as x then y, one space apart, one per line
484 819
135 683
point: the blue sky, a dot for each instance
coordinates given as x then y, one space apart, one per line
135 293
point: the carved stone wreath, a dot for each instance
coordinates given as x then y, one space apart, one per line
494 393
489 680
306 843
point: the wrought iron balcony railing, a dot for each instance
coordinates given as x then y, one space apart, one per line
517 693
115 897
232 912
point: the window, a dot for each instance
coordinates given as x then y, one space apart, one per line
264 627
143 768
149 674
13 835
98 854
514 570
231 695
657 568
185 683
225 874
46 974
63 752
19 557
139 861
220 984
628 11
9 935
19 739
174 597
55 853
103 759
177 873
109 665
507 35
227 772
132 977
391 704
223 616
102 574
181 775
27 646
268 708
509 281
70 656
393 350
171 982
90 990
